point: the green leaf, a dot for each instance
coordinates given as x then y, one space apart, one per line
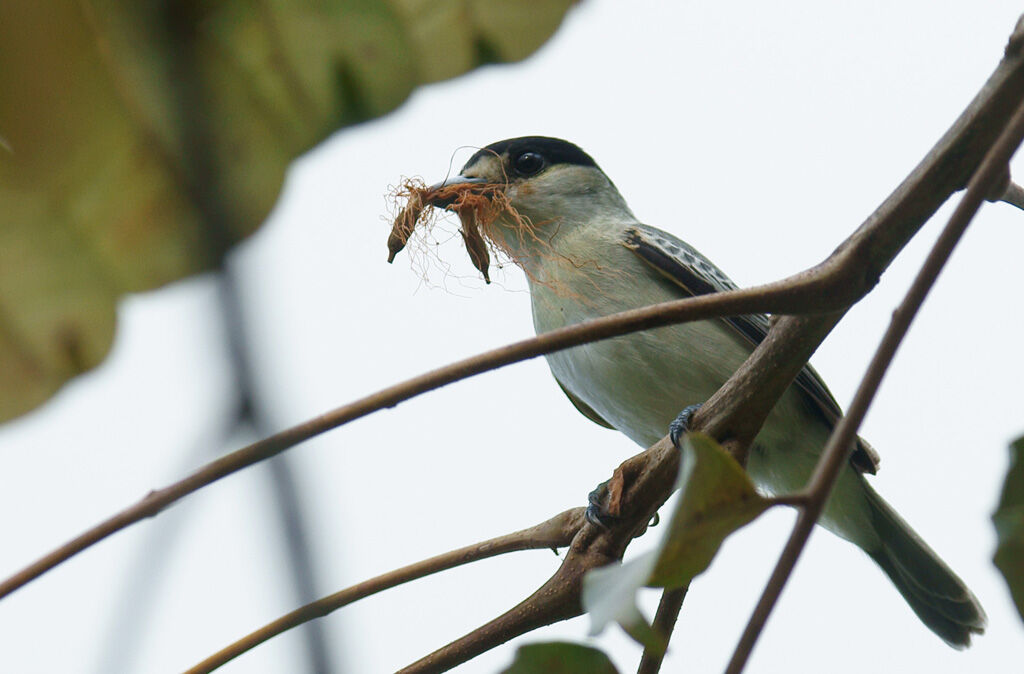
1009 522
105 105
560 657
717 498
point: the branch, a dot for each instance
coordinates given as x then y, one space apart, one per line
843 278
782 295
1012 194
556 532
664 623
647 482
842 438
868 251
735 413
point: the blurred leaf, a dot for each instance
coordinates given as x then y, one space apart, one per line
560 657
1009 522
717 498
609 595
119 118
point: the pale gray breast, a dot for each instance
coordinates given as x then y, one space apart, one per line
637 382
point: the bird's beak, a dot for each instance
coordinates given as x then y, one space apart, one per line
442 202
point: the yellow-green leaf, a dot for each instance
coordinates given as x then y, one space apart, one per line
116 116
1009 522
717 499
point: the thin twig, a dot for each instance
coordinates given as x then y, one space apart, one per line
797 500
946 169
844 277
142 582
1013 195
749 300
651 476
736 412
664 623
837 448
207 188
556 532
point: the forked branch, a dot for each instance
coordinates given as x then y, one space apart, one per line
837 448
734 414
554 533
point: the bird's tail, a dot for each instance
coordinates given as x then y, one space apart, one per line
938 597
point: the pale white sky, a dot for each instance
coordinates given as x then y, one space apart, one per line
761 133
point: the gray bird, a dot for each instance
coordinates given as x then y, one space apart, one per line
586 255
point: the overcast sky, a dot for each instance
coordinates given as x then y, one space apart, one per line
762 133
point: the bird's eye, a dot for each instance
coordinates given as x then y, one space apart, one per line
528 163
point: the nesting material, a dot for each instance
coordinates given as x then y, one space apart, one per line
477 206
493 229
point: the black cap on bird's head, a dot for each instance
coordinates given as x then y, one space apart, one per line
539 177
531 154
516 160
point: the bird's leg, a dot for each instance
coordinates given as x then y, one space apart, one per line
681 424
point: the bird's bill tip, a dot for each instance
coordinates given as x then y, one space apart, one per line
457 180
442 197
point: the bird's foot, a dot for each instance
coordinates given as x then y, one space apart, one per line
681 424
596 513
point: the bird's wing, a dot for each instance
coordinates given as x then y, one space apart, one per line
585 409
684 266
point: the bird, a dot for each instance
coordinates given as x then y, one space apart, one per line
586 255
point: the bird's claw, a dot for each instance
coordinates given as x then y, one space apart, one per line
596 513
681 424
